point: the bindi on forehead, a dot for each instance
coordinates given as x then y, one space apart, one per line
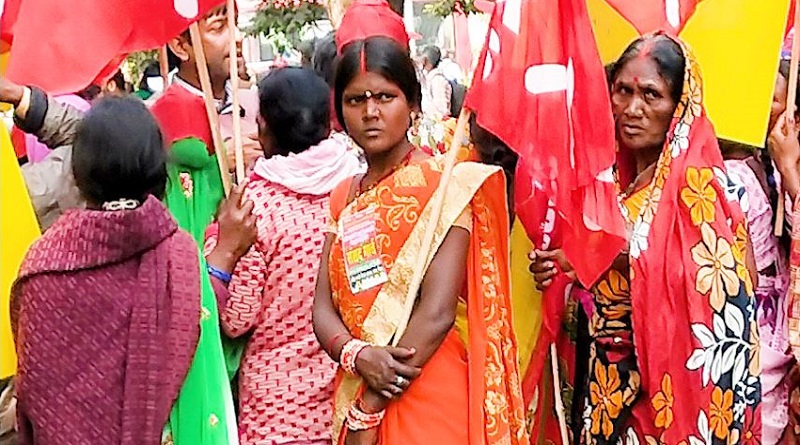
642 71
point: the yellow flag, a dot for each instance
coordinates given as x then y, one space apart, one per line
736 42
18 229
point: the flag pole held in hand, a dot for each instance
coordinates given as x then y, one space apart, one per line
237 116
211 110
430 230
791 97
163 65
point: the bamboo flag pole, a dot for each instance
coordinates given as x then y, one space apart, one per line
562 417
211 109
237 116
436 211
163 65
791 97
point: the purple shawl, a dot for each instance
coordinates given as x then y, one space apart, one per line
105 314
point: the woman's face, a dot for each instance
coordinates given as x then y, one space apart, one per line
376 113
778 101
642 104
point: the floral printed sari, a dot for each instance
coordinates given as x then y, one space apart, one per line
674 352
468 391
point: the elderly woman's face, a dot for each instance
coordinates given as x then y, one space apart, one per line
642 103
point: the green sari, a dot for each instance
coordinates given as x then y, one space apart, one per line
194 186
203 413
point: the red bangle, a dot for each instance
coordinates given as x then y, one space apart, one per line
333 341
349 354
358 420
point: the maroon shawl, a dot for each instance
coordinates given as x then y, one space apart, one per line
106 315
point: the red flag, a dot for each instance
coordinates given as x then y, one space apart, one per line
656 15
62 46
540 62
541 88
7 20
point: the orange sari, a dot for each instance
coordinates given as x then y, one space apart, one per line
468 392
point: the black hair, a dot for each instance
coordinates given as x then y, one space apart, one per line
294 102
151 69
119 158
493 151
665 52
609 69
173 61
90 93
324 58
119 79
433 54
397 6
383 56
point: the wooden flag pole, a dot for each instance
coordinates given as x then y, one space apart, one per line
237 116
791 97
163 65
436 211
211 109
562 417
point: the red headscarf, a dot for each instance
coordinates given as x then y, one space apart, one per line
370 18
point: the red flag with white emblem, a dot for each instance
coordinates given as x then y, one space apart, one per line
63 46
656 15
541 88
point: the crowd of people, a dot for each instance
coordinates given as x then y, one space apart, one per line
156 309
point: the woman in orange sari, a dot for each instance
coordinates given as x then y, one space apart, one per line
440 384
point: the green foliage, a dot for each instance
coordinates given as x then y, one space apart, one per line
443 8
282 21
136 63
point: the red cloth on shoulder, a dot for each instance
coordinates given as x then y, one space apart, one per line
181 115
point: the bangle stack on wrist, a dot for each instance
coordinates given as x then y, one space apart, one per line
349 354
358 420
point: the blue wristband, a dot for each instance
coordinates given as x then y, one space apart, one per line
223 276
